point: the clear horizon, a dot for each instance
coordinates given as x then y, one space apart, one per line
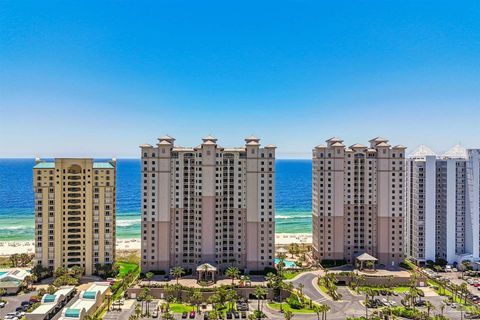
97 79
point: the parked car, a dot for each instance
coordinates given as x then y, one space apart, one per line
206 315
34 299
192 315
2 304
155 314
184 315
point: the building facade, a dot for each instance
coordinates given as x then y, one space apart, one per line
443 200
74 213
358 201
208 204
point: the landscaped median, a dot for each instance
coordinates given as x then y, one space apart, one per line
286 307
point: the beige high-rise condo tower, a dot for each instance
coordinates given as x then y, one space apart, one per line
358 201
74 213
208 204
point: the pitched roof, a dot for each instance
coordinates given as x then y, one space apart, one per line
378 139
366 257
206 266
337 144
382 144
421 152
252 138
166 137
209 137
334 139
357 145
456 152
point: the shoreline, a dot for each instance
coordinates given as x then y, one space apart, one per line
10 247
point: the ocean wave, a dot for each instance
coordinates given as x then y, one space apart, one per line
17 228
293 217
128 223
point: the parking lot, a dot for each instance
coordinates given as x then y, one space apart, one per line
128 308
13 302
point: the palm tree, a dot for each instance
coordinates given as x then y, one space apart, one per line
149 276
288 315
177 272
196 298
318 311
442 308
232 273
429 307
326 308
300 288
259 293
148 299
464 291
138 310
231 297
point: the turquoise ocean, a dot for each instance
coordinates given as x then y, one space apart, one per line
293 198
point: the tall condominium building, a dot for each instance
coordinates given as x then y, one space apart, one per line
442 205
74 213
358 201
208 204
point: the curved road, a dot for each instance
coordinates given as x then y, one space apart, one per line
348 306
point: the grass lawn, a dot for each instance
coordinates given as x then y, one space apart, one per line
285 307
287 275
180 308
399 289
324 289
125 267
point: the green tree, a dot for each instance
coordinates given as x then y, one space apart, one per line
288 315
177 272
318 311
232 273
196 298
149 276
429 307
259 293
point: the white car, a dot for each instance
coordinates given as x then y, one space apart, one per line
2 304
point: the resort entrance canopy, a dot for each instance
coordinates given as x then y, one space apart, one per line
365 257
204 270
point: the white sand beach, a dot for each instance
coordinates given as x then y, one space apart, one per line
8 248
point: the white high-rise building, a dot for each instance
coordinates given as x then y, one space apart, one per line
443 205
208 204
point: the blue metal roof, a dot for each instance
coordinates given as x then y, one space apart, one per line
44 165
102 165
72 313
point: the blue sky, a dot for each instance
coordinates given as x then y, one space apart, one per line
80 78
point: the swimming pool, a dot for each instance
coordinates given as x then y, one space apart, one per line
2 273
288 263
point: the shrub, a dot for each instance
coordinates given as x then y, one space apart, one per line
294 302
328 263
